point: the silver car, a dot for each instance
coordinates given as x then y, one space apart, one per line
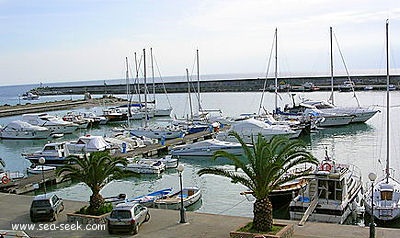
127 217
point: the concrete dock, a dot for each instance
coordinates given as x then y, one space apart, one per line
14 209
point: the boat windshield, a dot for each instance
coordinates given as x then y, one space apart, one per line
387 195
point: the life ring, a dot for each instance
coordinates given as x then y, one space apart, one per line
5 179
326 167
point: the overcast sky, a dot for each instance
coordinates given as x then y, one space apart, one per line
78 40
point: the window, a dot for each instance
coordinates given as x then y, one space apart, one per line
386 195
120 214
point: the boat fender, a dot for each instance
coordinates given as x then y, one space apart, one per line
5 179
326 167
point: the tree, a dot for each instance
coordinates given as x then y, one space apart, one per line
95 170
263 168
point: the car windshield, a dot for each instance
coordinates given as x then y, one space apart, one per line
41 203
120 214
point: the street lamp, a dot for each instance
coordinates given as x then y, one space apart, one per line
42 161
180 169
372 177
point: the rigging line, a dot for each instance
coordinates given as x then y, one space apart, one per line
266 76
192 84
347 71
232 206
162 81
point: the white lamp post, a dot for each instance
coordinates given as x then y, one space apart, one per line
42 161
180 169
372 177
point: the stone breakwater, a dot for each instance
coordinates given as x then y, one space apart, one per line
234 85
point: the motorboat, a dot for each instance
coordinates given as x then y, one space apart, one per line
56 125
53 153
115 114
190 196
38 169
206 148
148 199
30 96
97 120
78 119
23 130
346 86
142 166
327 119
333 192
249 129
167 160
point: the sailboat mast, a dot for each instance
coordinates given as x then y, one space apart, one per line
276 68
145 86
198 79
387 102
331 97
137 79
152 75
127 79
190 98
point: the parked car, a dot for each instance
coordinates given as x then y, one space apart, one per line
46 207
127 217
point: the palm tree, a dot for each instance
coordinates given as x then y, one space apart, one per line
263 168
95 170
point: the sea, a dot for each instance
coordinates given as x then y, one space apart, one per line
363 145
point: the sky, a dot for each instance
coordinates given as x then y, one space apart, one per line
78 40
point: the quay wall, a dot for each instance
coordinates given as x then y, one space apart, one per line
234 85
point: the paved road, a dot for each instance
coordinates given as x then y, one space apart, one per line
14 209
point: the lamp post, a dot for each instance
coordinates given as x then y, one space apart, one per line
42 161
180 169
372 177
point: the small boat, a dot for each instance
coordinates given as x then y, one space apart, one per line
190 196
143 166
78 119
56 125
23 130
206 148
148 200
88 143
54 153
30 96
38 169
168 161
97 120
169 132
347 86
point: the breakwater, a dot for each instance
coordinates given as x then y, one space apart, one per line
233 85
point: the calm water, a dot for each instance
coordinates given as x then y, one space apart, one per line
361 144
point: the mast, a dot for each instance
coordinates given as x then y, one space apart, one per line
152 75
145 87
127 79
331 97
137 79
276 68
190 98
198 79
387 102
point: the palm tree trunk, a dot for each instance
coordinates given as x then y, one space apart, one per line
262 210
96 200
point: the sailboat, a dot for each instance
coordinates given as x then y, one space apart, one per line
385 195
359 114
158 132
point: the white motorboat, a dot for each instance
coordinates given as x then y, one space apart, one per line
250 128
206 148
190 196
382 199
78 119
167 160
168 132
56 125
143 166
30 96
54 153
23 130
332 194
327 119
38 169
97 120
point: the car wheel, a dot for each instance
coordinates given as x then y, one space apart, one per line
135 229
147 218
